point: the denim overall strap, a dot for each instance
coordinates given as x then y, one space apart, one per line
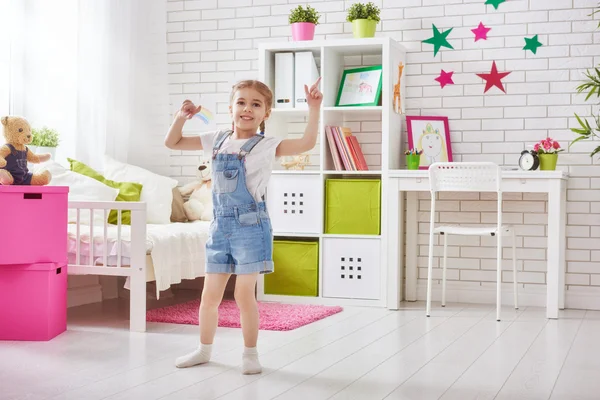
220 140
249 145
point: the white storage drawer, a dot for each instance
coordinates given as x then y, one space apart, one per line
295 203
351 268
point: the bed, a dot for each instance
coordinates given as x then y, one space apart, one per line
141 252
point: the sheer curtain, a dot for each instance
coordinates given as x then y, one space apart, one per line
94 70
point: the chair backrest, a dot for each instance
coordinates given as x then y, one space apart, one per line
465 177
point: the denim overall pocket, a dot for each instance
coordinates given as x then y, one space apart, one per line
247 218
226 181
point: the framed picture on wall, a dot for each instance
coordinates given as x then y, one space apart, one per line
360 87
432 135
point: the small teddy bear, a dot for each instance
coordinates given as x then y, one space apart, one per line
199 205
14 155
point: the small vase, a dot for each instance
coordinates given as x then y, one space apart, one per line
44 150
413 161
363 28
303 31
548 161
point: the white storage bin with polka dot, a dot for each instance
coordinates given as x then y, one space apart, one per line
351 268
295 203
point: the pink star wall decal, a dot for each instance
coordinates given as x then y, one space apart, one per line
481 32
445 78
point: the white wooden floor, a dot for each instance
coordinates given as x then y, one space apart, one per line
459 353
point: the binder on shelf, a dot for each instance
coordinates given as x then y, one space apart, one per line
306 73
284 80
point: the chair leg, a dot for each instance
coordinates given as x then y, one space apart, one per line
444 270
515 280
429 273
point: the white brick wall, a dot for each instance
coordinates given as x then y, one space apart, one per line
212 43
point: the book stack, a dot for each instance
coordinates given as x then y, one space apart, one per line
345 149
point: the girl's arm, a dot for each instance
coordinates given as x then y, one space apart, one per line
291 147
174 139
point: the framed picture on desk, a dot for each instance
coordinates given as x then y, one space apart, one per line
432 135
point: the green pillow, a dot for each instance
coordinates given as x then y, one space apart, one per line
128 191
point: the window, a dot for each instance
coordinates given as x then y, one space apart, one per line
5 57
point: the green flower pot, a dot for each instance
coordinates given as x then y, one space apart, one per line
548 161
363 28
413 161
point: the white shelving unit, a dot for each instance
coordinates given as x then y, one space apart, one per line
379 132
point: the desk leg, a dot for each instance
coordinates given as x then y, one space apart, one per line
556 249
562 263
412 248
394 246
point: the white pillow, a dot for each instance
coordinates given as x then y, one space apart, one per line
157 190
81 188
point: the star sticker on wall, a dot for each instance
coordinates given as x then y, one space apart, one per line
445 78
438 40
494 78
532 44
495 3
481 32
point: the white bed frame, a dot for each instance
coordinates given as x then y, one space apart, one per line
136 271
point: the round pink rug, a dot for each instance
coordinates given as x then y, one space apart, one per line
273 316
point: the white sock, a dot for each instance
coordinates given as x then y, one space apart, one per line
250 363
199 356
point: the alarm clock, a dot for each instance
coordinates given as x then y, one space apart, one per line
529 160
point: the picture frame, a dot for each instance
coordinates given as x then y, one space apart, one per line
360 87
433 133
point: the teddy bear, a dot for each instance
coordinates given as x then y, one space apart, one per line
199 205
15 154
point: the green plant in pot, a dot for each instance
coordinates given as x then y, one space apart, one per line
44 140
303 22
592 86
364 19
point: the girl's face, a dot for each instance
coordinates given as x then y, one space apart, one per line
248 109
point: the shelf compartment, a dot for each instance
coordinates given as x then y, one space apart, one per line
296 269
353 206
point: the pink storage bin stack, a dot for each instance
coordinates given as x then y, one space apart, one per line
33 262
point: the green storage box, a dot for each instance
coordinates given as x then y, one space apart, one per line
296 269
353 206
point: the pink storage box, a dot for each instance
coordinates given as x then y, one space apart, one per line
34 301
34 224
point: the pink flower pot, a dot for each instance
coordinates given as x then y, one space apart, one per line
303 31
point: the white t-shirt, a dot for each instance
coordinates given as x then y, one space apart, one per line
259 162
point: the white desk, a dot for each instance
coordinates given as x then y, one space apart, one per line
554 183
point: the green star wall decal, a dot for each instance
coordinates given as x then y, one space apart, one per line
532 44
495 3
439 39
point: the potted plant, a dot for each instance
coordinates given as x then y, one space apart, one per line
547 151
364 19
44 140
303 21
592 86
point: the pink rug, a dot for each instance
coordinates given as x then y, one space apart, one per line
273 316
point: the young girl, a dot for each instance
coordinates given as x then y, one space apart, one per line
240 239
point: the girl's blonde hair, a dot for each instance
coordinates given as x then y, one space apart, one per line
260 88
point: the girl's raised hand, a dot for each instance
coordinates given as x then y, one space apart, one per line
314 97
188 109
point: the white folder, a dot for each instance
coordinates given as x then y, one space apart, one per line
306 73
284 80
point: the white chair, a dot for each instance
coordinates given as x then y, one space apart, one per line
469 177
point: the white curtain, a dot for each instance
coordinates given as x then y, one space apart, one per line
95 70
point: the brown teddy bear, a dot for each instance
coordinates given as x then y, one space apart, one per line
14 155
199 204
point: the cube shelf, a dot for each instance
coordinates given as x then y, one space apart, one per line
347 208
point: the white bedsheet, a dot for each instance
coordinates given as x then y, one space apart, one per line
177 249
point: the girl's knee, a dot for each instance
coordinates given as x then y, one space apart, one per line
244 298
